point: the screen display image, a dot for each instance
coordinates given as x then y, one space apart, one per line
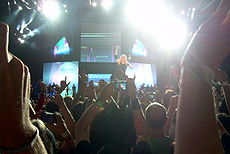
62 47
98 77
58 71
139 49
145 74
100 42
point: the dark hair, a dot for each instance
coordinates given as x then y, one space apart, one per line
142 148
77 111
111 149
156 115
225 121
52 107
83 147
112 126
167 96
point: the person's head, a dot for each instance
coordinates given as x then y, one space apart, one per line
102 83
43 87
112 126
123 59
77 111
156 116
167 96
52 107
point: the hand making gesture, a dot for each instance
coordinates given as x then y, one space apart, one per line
16 128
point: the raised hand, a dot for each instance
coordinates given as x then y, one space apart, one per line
59 127
131 88
210 44
107 92
16 128
83 78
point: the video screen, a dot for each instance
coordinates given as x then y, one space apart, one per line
139 49
98 77
62 47
145 74
58 71
100 42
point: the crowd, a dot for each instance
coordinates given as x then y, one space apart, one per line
107 120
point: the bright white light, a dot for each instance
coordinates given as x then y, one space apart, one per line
94 4
21 40
107 4
145 12
154 19
66 11
172 34
19 8
50 9
64 5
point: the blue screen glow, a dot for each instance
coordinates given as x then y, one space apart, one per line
98 77
62 47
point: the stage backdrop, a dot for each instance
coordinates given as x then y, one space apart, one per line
145 74
57 71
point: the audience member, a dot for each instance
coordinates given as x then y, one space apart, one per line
106 120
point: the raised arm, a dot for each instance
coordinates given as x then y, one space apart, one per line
18 134
196 130
83 124
65 113
138 115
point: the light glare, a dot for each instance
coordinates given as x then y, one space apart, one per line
107 4
172 34
51 9
94 4
19 8
154 19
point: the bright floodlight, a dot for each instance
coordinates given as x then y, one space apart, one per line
107 4
21 40
51 9
171 34
153 18
94 4
19 8
144 12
